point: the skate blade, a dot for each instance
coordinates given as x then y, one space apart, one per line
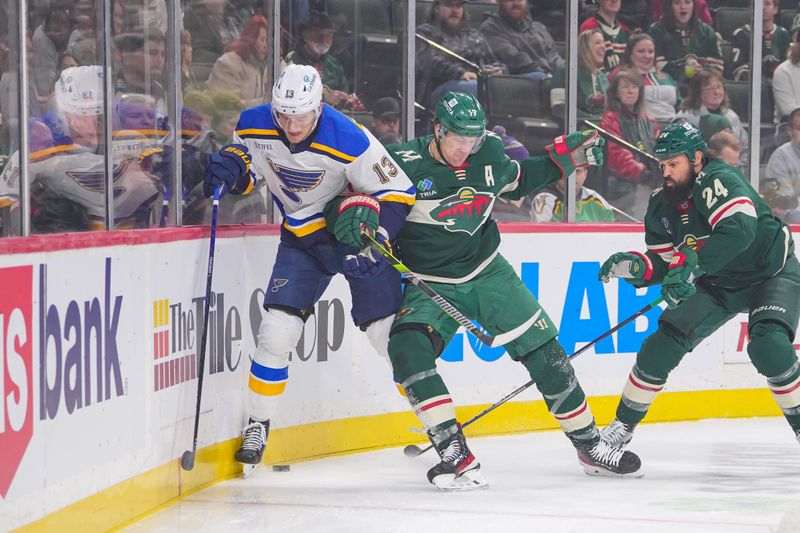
591 470
247 470
469 480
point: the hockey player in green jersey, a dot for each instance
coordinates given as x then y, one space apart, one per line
717 251
450 241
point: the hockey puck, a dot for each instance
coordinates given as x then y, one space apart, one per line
280 468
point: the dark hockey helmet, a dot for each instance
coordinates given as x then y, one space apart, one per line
680 137
461 114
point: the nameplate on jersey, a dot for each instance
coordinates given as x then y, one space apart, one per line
293 181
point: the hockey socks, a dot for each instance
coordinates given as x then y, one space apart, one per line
555 378
771 352
639 393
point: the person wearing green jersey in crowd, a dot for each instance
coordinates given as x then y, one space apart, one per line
590 206
450 241
717 250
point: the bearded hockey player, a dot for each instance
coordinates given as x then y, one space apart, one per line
717 251
450 241
310 154
67 164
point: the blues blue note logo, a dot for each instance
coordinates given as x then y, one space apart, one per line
294 181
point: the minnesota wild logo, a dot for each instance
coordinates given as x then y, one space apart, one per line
464 211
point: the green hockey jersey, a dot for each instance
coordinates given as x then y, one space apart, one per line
738 240
449 236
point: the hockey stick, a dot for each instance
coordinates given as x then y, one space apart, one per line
489 340
413 450
187 459
624 143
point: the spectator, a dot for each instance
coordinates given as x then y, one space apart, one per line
636 14
189 81
684 42
615 33
385 121
632 175
782 176
522 44
448 25
313 47
49 41
592 80
137 74
9 93
660 90
213 28
243 69
548 205
725 146
786 79
65 61
707 95
82 15
703 13
775 42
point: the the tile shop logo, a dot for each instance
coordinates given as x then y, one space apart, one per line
178 331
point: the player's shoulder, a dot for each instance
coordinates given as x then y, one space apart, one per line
410 151
257 123
742 31
493 148
717 169
340 136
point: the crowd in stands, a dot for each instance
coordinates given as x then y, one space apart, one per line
641 64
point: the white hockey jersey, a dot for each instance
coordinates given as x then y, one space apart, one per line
339 155
67 170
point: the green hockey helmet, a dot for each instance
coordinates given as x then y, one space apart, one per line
680 137
461 114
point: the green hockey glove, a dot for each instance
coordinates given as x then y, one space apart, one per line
576 150
357 211
678 285
626 265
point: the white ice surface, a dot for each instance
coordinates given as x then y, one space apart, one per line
709 476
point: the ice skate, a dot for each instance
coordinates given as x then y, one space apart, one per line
605 460
458 469
254 441
617 434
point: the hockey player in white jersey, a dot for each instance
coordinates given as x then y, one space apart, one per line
310 154
67 165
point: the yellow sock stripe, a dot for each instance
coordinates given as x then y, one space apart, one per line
264 388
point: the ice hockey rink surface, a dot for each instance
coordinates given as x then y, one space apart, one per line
710 476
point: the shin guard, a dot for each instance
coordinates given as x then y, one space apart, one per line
413 360
555 378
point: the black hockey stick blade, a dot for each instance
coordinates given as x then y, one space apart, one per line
412 450
187 460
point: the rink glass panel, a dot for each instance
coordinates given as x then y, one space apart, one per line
10 213
371 44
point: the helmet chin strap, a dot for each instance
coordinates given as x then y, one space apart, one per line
439 146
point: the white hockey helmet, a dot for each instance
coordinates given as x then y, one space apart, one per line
297 90
79 91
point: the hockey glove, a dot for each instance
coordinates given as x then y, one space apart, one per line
576 150
357 213
226 168
678 284
368 262
627 265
